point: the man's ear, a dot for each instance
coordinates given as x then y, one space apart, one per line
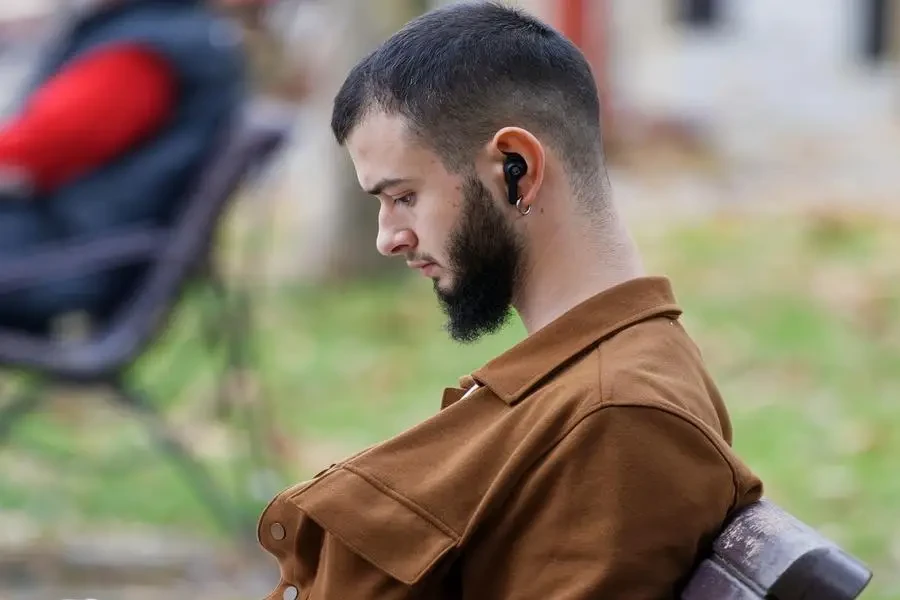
520 183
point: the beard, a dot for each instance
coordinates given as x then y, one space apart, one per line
486 257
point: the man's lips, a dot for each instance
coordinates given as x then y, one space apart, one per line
427 268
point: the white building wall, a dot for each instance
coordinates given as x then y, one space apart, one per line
781 90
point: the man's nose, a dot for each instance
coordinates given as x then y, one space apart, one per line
392 241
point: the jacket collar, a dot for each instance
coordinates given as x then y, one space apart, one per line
517 371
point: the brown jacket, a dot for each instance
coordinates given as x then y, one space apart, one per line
592 460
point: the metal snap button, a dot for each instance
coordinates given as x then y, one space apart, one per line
277 531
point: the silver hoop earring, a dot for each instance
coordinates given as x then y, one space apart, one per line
525 212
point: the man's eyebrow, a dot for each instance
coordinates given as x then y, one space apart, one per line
379 187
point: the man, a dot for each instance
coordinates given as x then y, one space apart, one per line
593 459
122 112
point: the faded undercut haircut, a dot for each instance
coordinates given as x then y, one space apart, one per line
460 73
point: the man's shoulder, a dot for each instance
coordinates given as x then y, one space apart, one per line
656 364
653 362
655 368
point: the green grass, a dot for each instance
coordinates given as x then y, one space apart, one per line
799 321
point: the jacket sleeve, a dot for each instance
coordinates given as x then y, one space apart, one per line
95 109
621 508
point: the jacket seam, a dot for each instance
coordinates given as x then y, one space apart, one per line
663 311
606 401
415 507
433 521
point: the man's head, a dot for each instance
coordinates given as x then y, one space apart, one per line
431 117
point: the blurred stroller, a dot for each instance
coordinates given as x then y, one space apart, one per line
131 139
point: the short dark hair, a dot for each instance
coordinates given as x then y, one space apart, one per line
460 73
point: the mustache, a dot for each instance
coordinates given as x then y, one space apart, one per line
424 258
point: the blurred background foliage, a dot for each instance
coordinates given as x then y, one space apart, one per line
770 200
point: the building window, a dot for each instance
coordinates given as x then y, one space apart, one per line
876 29
700 13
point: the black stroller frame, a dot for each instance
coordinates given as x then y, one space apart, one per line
177 256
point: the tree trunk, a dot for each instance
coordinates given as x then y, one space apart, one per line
327 225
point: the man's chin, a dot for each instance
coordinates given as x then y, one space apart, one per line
467 325
442 288
469 332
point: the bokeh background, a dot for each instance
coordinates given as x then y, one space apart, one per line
754 147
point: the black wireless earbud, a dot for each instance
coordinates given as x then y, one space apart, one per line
514 168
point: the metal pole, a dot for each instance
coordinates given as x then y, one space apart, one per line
587 24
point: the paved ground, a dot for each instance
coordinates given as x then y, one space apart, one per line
132 567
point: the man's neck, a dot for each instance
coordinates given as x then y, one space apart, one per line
580 266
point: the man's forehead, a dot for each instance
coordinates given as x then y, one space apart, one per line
383 147
379 133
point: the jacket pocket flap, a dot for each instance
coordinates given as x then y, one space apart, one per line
391 532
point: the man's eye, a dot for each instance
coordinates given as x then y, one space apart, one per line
408 199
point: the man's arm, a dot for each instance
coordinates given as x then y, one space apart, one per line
94 110
620 508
